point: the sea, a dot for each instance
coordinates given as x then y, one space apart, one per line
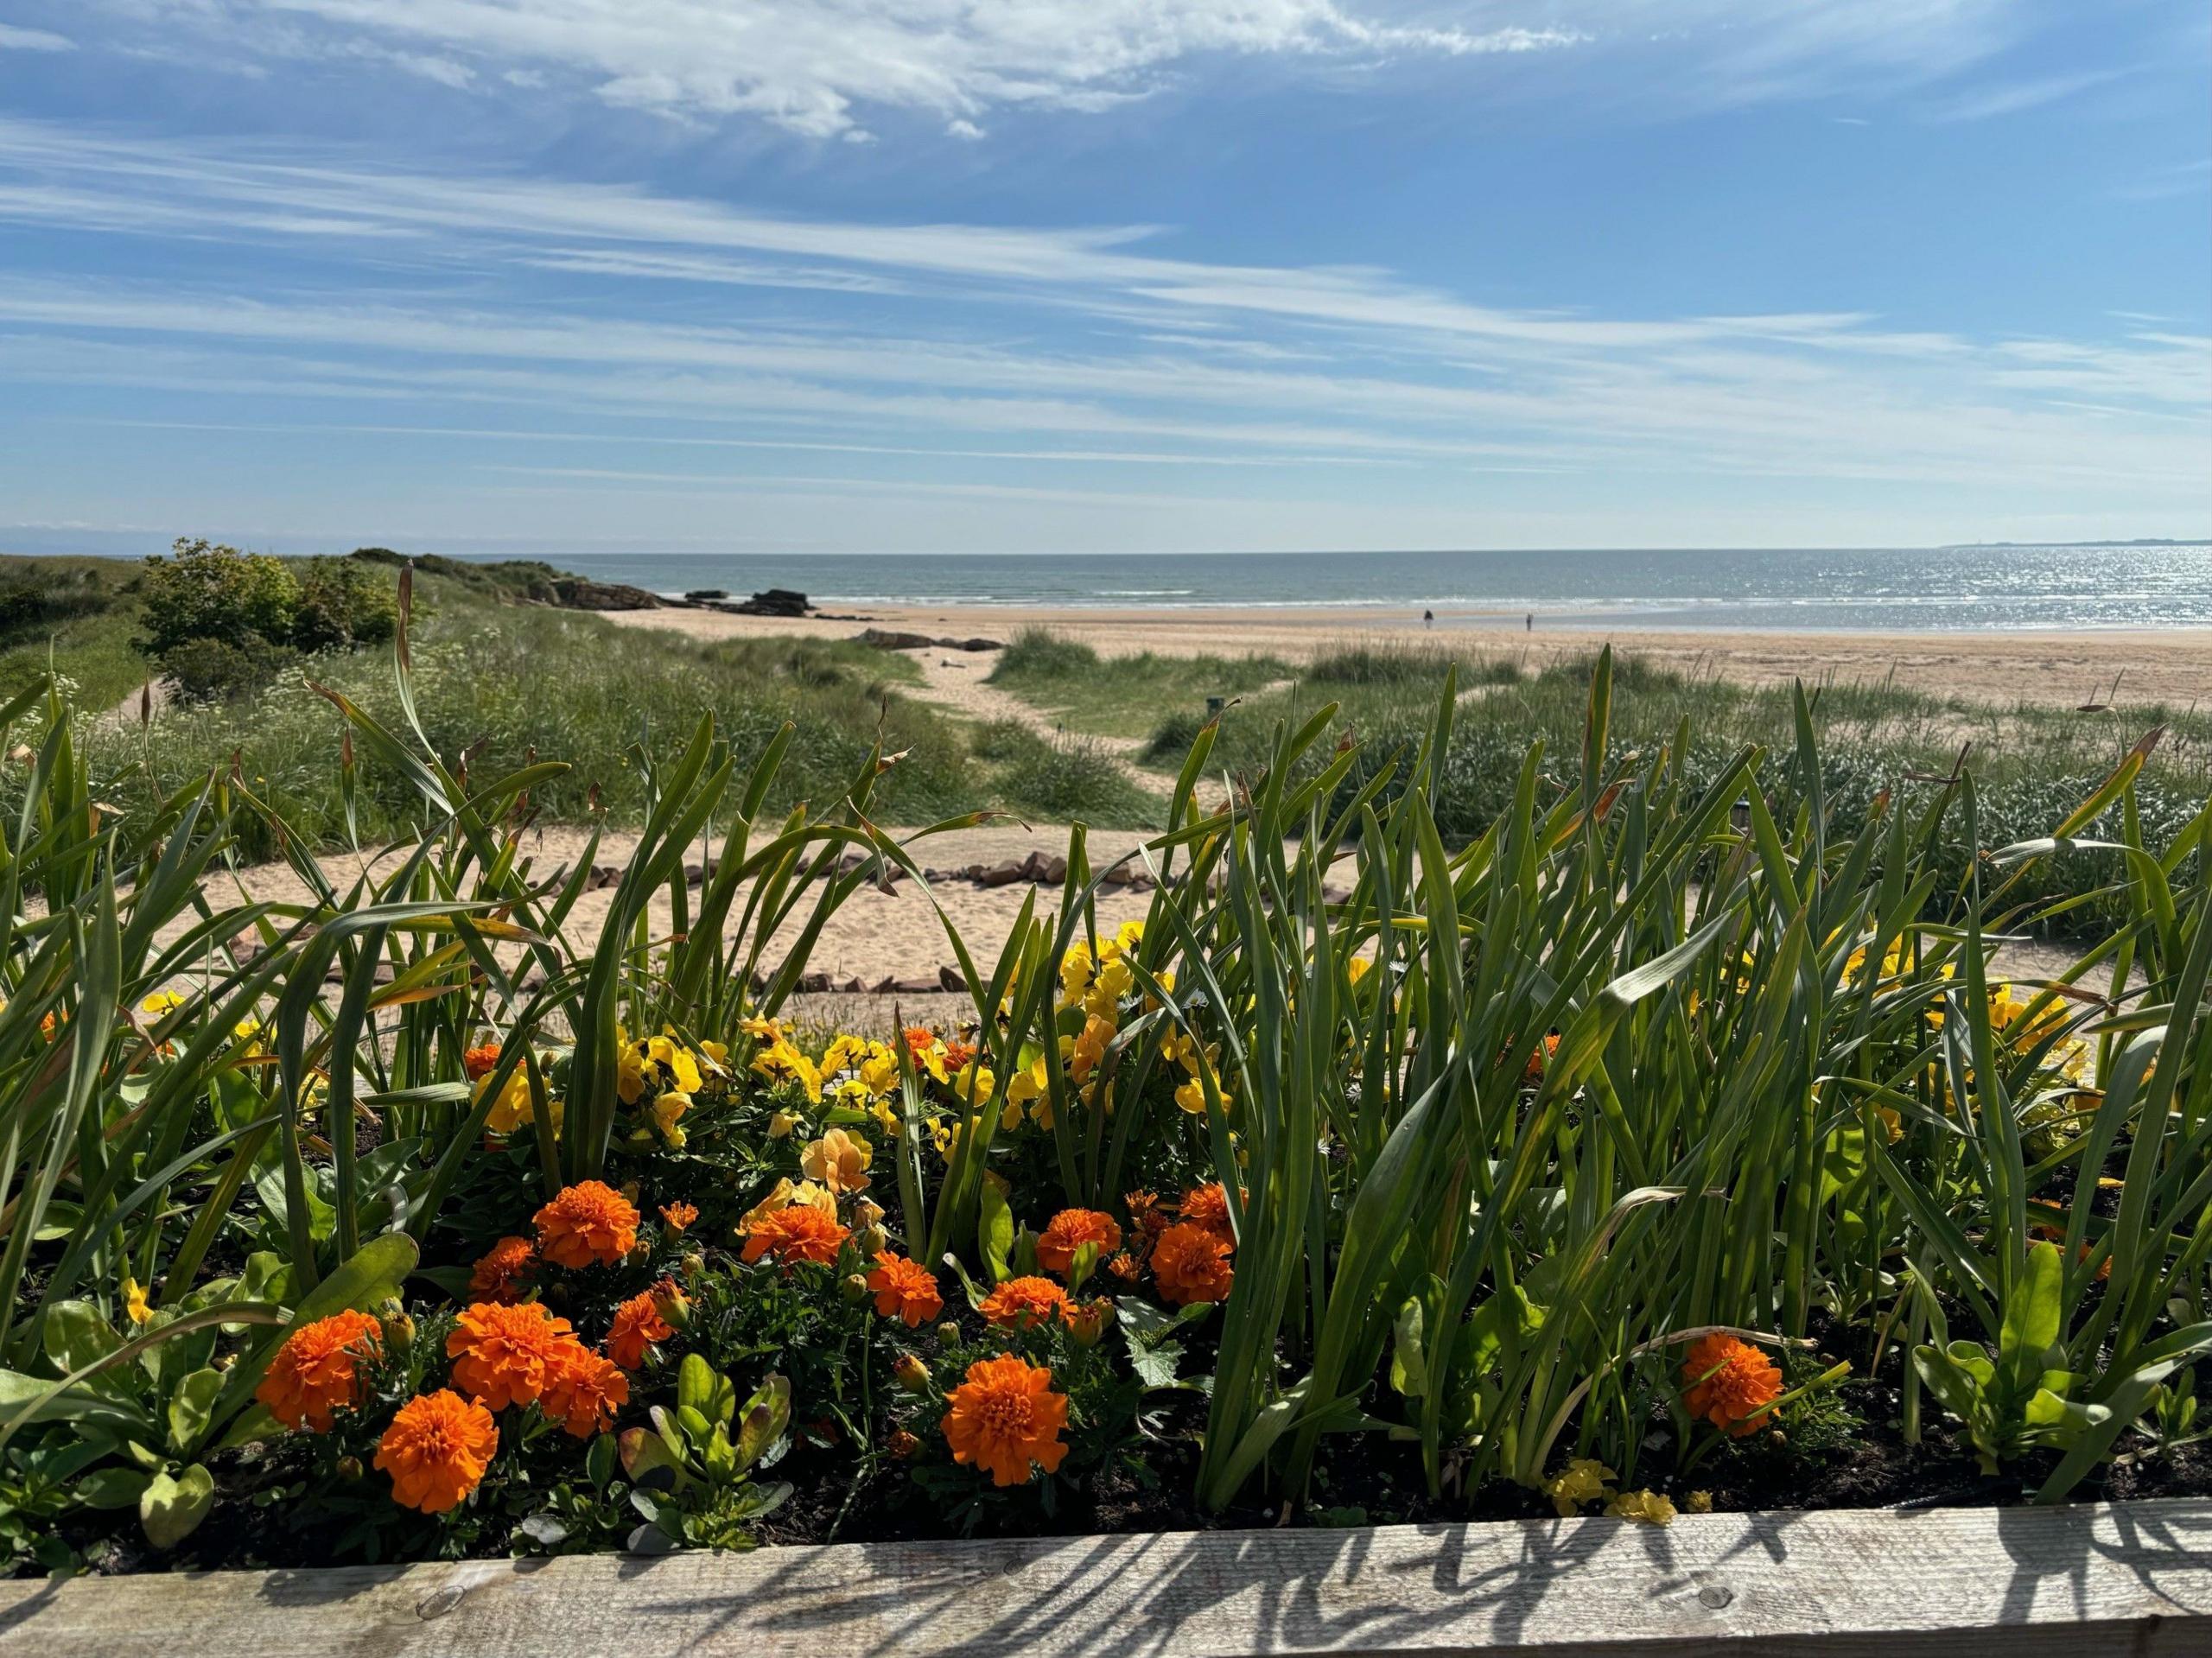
1936 590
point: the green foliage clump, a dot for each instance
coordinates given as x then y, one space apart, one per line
1120 696
221 623
1065 778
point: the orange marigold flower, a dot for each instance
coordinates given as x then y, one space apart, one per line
480 1061
1208 1206
637 1324
1068 1231
498 1275
1021 1303
957 1053
1006 1417
1730 1380
317 1369
796 1232
437 1450
1124 1265
584 1390
904 1289
1534 1072
1191 1263
501 1355
919 1040
678 1215
586 1222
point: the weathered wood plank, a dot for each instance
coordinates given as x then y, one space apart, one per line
2133 1578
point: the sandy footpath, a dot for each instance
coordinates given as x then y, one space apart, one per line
2059 668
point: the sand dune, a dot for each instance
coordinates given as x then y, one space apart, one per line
2056 668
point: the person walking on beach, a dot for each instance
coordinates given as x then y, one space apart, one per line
1531 623
1428 619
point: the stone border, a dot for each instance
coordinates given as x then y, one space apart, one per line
2133 1577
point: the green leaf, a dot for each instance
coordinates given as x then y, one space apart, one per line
766 1414
172 1506
2031 1319
110 1488
995 1232
192 1409
1156 1365
1408 1360
77 1337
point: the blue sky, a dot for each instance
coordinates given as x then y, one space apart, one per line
925 275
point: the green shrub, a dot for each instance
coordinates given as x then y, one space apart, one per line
202 591
341 605
210 671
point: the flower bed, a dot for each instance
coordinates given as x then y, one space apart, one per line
1648 1157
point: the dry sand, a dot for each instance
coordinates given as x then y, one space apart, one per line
874 935
2058 668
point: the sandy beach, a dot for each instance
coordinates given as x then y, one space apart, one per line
2171 665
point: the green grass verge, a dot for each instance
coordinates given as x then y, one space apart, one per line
1120 696
2032 764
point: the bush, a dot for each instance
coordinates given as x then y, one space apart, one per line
341 605
212 670
203 591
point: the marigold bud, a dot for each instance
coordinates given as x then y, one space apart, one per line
674 1307
901 1444
911 1374
693 1264
1087 1324
872 1239
947 1332
349 1468
854 1287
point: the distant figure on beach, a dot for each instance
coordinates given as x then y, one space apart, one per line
1531 623
1428 619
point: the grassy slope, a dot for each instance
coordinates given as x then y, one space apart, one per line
1124 697
505 681
72 617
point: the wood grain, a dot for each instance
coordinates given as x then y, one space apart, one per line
2131 1577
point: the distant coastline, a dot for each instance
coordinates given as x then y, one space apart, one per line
2101 587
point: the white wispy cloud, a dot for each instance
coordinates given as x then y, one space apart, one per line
2011 98
13 39
824 67
471 310
816 65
